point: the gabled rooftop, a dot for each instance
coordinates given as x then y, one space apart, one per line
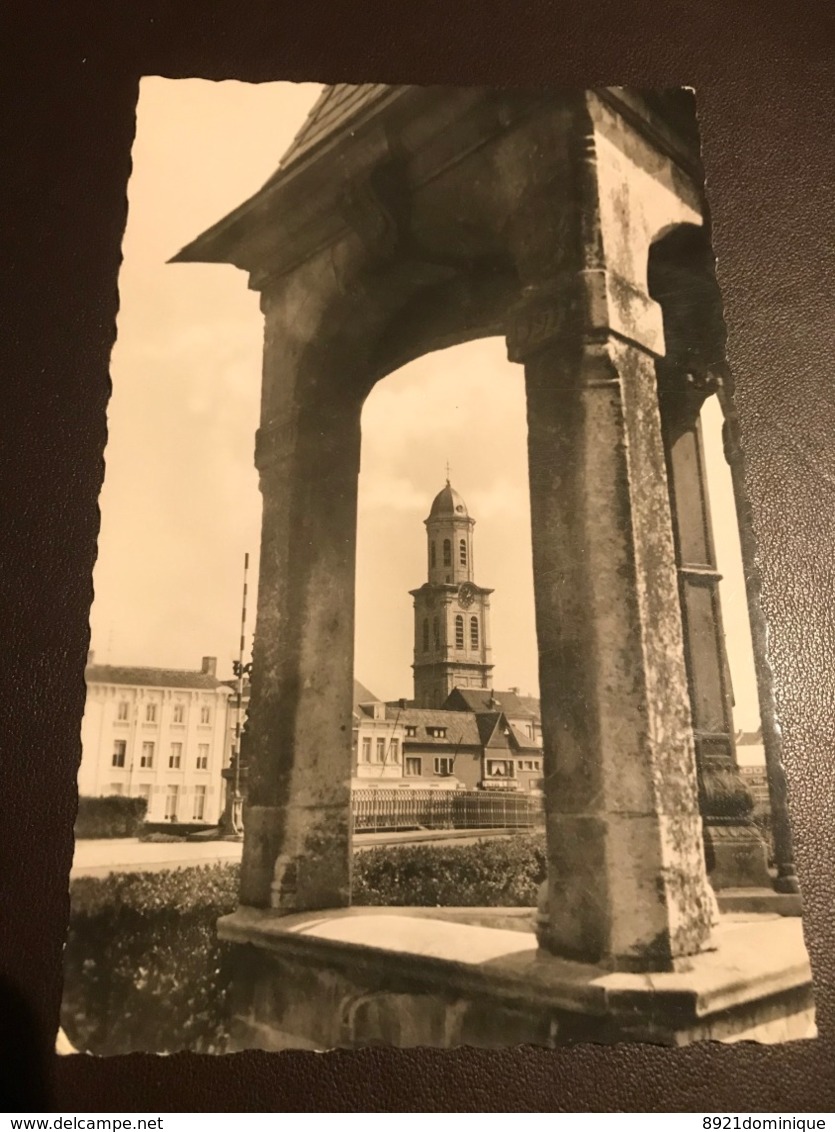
362 696
461 728
141 677
486 699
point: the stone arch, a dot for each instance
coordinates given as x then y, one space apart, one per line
461 309
681 278
428 218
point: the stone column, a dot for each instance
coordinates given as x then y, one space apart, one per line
735 852
626 874
627 886
297 820
786 880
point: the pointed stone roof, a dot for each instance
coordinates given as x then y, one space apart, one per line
336 106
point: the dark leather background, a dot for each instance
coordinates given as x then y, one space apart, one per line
762 71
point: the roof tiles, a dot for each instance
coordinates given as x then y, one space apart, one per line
336 106
151 677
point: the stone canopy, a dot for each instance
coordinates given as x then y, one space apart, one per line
405 219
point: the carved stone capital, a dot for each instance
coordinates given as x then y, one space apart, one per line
586 304
272 441
307 441
696 381
372 204
725 796
543 315
685 389
367 212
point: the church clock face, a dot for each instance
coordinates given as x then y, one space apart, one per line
466 595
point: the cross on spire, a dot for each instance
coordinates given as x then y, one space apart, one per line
447 471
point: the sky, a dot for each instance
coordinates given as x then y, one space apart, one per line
180 504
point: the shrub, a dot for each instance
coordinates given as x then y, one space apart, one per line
113 816
178 830
143 968
502 872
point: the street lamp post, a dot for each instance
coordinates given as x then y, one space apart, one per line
233 816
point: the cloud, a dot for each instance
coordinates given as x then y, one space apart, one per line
395 493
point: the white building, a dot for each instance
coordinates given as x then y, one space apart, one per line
378 742
157 733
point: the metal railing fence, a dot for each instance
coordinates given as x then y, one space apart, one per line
386 810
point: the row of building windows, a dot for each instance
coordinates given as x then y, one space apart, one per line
447 553
443 765
173 800
146 758
385 750
179 716
459 633
413 766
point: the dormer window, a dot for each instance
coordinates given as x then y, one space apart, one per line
436 732
411 731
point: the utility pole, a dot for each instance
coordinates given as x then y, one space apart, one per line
233 816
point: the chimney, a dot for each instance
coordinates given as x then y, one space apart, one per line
209 666
403 704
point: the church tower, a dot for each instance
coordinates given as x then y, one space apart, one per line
452 613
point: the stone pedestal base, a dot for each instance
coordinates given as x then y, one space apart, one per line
444 977
736 857
760 901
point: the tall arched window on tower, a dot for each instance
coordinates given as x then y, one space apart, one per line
474 632
432 555
459 632
426 634
462 552
436 633
447 552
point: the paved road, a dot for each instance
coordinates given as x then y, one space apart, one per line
128 854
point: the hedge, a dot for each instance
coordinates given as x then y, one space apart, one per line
112 816
501 872
144 970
